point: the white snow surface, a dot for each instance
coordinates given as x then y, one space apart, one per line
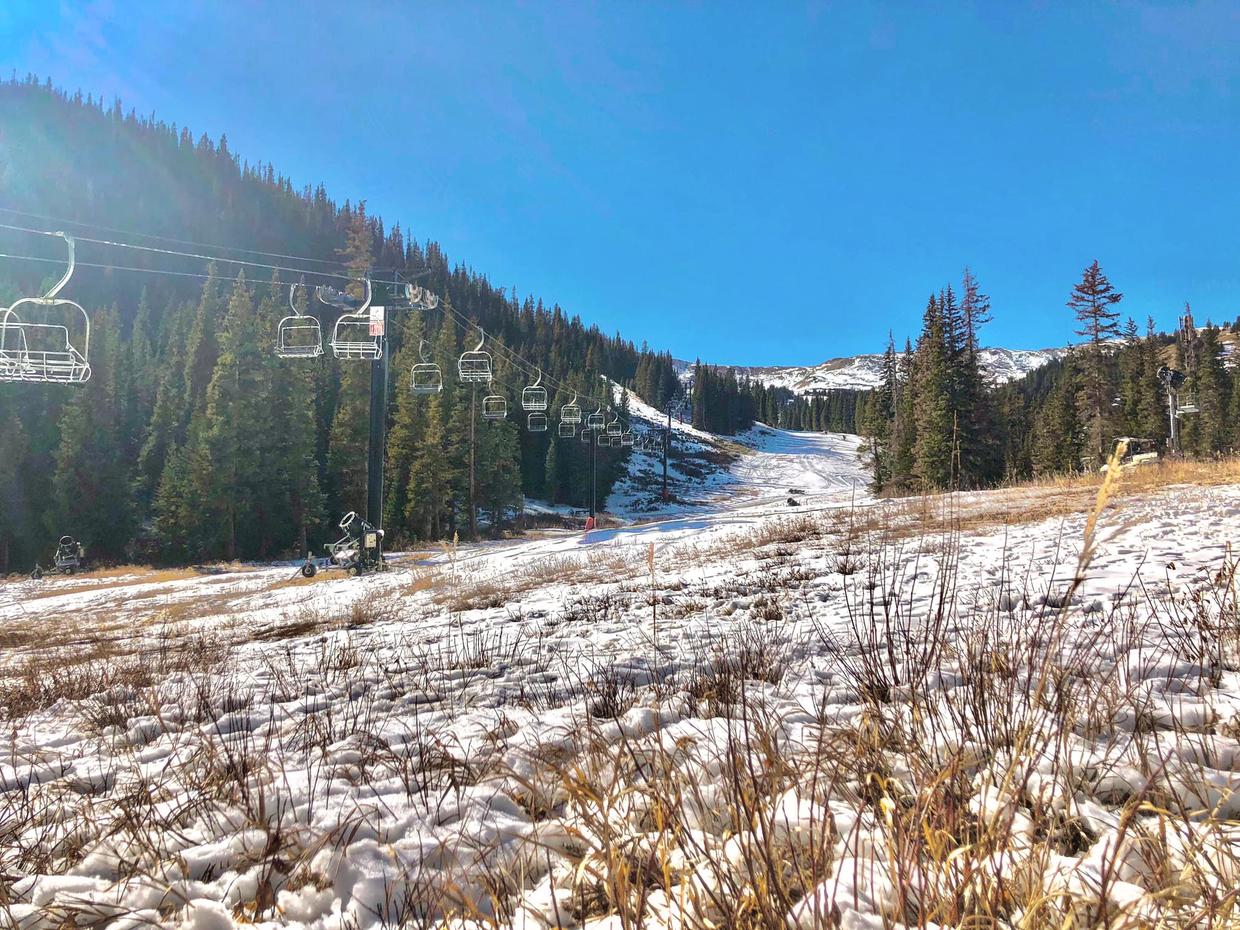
365 748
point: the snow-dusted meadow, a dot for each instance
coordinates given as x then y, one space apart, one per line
996 709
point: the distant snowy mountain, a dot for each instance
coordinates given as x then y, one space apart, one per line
863 372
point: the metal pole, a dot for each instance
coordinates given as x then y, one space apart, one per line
593 475
667 434
1172 410
473 510
378 430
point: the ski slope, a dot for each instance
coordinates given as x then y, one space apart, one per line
237 747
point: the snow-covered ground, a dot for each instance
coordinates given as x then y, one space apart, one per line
843 713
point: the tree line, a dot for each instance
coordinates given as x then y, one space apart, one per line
935 423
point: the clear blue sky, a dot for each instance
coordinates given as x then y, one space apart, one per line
752 183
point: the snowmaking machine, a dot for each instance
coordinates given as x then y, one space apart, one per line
358 552
70 558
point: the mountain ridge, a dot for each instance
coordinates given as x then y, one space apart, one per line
865 372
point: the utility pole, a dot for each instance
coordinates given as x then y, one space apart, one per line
1173 380
473 510
1174 441
667 439
378 431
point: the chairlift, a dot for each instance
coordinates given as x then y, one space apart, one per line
614 429
571 413
353 336
474 366
537 422
596 420
1187 403
298 335
626 438
604 439
420 298
534 397
46 352
585 435
425 377
567 430
495 407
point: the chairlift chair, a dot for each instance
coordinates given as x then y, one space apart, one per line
585 435
537 422
495 407
604 439
420 298
596 420
567 430
425 377
614 429
1187 403
351 336
571 413
298 335
626 438
46 352
474 366
534 397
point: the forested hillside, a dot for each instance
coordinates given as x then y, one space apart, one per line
934 423
192 440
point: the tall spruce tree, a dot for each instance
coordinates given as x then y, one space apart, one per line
934 446
1092 301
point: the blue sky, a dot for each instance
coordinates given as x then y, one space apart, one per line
750 183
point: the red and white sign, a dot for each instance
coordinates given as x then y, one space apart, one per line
377 316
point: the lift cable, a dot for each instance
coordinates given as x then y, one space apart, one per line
515 357
467 325
195 255
201 245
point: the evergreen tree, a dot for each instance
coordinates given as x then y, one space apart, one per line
1212 387
92 481
1092 301
238 428
904 426
933 448
17 532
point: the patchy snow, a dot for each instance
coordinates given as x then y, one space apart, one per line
490 731
865 372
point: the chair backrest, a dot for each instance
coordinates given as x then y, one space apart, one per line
495 407
298 335
425 377
351 337
534 397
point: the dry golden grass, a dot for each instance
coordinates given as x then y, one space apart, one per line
1164 473
128 576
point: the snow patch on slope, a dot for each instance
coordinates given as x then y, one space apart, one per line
865 372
